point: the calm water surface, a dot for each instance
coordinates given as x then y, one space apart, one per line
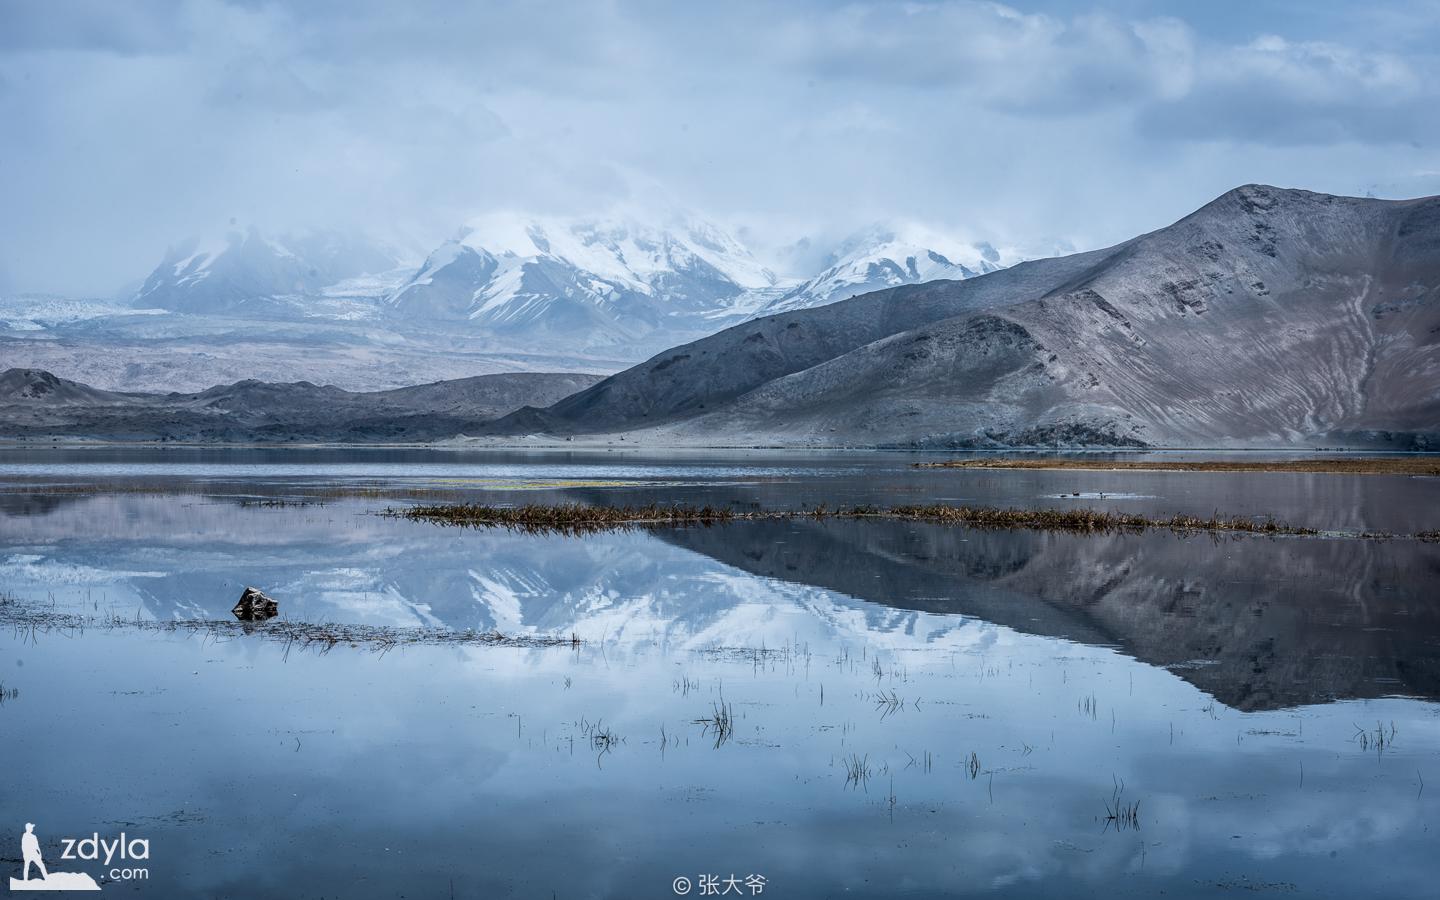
917 710
775 479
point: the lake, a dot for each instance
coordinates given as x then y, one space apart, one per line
785 708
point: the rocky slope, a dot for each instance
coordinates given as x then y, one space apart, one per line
36 404
1269 317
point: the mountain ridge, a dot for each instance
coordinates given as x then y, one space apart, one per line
595 284
35 403
1268 317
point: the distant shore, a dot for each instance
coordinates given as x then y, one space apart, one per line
1397 465
632 444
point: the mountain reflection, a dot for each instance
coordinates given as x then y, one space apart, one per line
1257 623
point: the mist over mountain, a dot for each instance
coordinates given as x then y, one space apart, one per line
507 293
881 258
248 271
586 281
617 284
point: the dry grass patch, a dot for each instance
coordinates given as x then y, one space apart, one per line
581 519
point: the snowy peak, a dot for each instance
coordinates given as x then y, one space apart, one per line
245 268
444 287
618 284
598 281
883 257
621 249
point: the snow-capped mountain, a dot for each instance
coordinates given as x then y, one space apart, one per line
619 286
245 270
884 257
612 282
597 281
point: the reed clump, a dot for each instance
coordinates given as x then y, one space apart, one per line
571 518
582 519
1087 520
1120 814
857 770
720 723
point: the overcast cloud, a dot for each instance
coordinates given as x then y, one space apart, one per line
126 127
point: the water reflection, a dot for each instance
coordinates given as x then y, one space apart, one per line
1259 623
773 479
999 687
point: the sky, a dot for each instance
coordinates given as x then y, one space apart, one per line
125 128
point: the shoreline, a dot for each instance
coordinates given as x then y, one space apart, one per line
27 616
1420 464
463 445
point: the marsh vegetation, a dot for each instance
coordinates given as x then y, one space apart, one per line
577 518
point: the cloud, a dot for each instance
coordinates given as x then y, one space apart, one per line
1267 90
91 25
995 54
1275 91
126 127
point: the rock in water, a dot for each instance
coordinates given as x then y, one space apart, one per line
255 606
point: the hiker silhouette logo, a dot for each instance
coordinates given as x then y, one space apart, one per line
32 858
